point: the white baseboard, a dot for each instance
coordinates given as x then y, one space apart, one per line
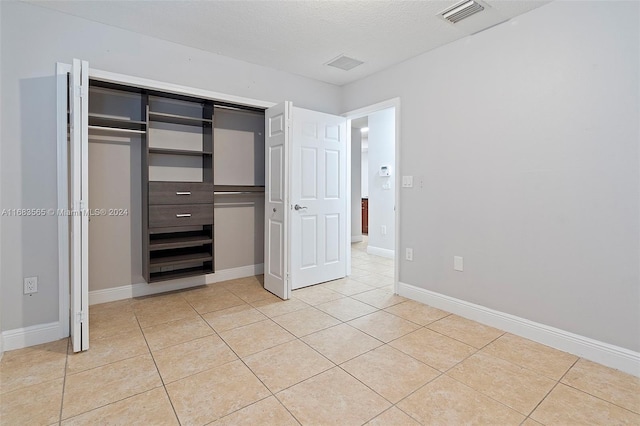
28 336
356 238
604 353
377 251
144 289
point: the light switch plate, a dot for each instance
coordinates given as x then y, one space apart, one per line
458 263
407 181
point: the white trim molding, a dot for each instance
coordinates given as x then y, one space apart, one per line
144 289
29 336
356 238
377 251
604 353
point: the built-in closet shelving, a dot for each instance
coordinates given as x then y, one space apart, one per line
178 189
180 210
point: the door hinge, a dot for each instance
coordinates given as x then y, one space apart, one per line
80 206
82 317
82 91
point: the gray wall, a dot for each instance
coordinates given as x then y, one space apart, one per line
356 185
238 160
33 40
381 199
526 136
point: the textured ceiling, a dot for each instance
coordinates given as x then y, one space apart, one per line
299 37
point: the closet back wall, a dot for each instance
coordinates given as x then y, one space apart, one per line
28 180
115 244
238 159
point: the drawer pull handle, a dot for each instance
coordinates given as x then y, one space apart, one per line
183 193
183 215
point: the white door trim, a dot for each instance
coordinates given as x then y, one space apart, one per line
363 112
62 70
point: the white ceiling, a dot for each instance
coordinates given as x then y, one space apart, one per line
299 37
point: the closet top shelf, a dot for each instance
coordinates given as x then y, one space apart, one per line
116 123
178 119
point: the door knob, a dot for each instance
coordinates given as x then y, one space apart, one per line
299 207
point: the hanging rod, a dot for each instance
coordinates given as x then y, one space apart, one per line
235 192
115 129
235 204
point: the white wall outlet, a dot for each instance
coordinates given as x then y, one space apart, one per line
383 230
30 285
407 181
458 263
408 254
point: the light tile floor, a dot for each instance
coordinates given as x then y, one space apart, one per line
344 352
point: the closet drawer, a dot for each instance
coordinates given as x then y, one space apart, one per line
180 193
180 215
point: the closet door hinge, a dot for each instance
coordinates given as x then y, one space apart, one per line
82 317
80 206
81 91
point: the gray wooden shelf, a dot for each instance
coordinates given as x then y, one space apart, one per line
180 242
180 259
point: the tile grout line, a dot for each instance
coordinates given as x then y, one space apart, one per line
489 396
64 380
164 386
560 382
340 365
252 372
239 358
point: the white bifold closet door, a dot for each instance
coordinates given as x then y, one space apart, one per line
305 198
78 167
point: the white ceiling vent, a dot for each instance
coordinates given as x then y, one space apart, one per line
461 10
344 63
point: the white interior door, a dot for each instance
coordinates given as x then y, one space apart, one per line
318 167
79 161
276 253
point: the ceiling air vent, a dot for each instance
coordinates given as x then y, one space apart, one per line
344 63
462 10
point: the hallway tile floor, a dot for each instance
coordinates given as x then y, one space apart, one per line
347 352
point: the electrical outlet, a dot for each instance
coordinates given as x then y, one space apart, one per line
383 230
458 264
408 254
30 285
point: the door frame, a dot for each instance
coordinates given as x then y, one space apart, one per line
63 175
363 112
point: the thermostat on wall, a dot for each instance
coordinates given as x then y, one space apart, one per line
385 171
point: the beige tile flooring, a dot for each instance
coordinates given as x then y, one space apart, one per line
344 352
